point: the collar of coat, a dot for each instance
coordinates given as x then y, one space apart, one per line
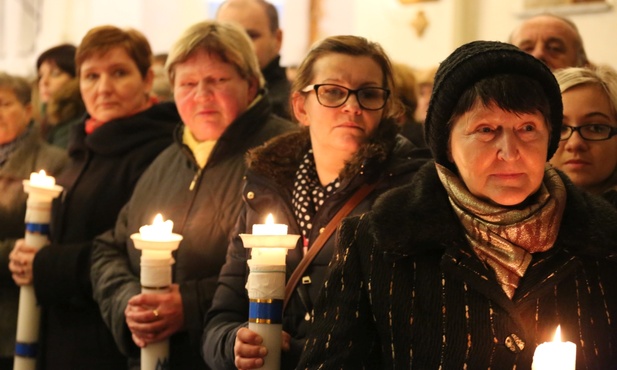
279 158
418 218
124 134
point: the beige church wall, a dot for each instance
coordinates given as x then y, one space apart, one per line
397 26
450 23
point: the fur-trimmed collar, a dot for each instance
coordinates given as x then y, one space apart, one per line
279 158
418 218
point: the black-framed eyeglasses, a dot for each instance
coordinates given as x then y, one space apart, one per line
333 96
592 132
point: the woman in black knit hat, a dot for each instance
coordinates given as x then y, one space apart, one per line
478 260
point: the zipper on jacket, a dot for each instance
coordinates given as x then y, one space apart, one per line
195 178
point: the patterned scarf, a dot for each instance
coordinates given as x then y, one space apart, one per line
308 194
505 237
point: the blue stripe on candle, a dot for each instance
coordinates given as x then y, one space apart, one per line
33 228
162 364
26 349
269 311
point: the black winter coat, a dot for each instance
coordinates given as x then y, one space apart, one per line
406 291
278 88
104 168
387 158
204 206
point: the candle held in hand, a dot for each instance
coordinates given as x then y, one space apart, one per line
555 355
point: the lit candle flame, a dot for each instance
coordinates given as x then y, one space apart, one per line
41 179
557 337
270 219
158 219
159 230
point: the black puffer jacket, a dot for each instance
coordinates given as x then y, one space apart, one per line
103 170
387 158
204 206
408 292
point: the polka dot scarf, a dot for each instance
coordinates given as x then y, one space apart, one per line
308 194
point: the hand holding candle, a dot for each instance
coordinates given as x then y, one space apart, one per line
41 190
555 355
266 284
156 242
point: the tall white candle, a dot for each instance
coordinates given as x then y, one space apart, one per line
156 242
41 190
555 355
266 284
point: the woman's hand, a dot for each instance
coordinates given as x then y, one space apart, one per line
154 317
248 351
20 262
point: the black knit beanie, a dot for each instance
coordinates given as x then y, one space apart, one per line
471 63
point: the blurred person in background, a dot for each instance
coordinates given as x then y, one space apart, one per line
425 79
405 81
553 39
58 91
260 20
161 88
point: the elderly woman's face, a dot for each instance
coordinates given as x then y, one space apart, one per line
210 94
587 163
500 155
14 116
342 129
112 86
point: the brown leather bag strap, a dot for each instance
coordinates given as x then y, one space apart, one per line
355 199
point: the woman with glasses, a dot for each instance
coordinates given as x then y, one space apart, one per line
342 99
587 151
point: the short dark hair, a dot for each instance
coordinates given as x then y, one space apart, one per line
512 93
63 56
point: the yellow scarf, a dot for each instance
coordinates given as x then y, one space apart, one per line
505 237
201 149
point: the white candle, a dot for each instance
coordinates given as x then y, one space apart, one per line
269 256
41 190
41 180
266 284
555 355
156 242
159 230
